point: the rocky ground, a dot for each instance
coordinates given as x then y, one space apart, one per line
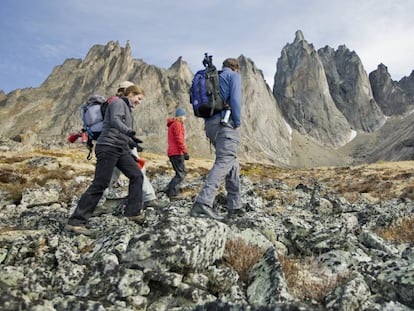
322 238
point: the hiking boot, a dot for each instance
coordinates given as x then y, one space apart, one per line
202 210
176 197
139 219
101 210
79 229
165 190
235 212
155 203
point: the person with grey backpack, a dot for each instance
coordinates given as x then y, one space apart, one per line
148 191
112 150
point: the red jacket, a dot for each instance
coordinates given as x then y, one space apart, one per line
176 134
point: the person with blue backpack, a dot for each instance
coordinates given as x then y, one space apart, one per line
113 150
223 131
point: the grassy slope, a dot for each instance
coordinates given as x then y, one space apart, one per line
382 180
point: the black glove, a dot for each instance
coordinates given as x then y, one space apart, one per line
139 148
131 133
136 140
186 156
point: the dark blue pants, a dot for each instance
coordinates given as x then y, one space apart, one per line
108 157
180 172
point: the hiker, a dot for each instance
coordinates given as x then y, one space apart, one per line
112 150
148 192
225 137
177 152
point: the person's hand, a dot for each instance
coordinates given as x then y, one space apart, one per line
136 140
135 143
186 156
139 148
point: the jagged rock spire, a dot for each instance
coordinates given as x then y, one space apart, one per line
350 88
299 36
302 92
390 97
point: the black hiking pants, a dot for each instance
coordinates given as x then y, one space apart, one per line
109 157
178 165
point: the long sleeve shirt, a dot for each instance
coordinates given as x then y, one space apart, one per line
231 93
118 123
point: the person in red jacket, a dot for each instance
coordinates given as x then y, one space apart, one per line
177 151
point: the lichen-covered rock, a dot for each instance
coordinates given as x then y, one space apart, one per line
172 261
267 285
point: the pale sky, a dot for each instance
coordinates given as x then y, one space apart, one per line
38 35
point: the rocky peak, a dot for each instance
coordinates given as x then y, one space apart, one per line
263 122
178 64
407 84
350 88
302 92
181 68
343 49
389 96
298 36
382 68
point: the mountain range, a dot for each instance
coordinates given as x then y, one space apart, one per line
324 108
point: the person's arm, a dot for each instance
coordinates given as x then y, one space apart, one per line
235 98
118 110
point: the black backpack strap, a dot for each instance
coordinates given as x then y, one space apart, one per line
103 109
89 144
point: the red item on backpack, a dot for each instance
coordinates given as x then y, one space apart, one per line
140 163
73 137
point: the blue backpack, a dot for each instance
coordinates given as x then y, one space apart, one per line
205 90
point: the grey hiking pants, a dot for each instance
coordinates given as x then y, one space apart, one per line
226 141
148 192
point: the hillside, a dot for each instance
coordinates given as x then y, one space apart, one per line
322 238
375 181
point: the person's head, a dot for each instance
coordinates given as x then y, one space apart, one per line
180 114
232 63
135 94
122 86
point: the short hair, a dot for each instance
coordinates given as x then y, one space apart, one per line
231 63
120 92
